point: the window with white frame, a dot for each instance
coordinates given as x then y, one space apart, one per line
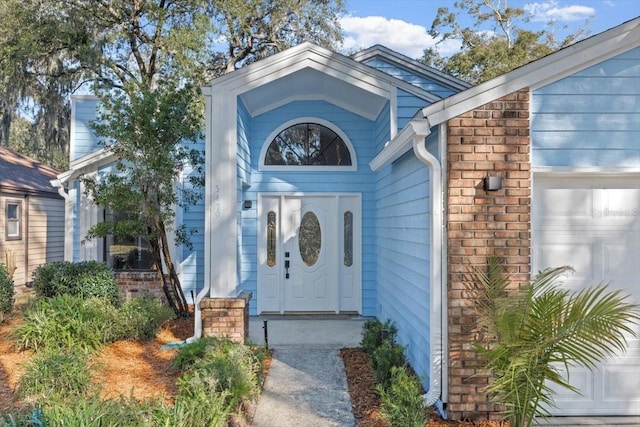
13 220
307 144
125 252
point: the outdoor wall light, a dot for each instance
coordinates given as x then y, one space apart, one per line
247 204
492 183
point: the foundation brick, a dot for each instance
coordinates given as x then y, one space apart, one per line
226 317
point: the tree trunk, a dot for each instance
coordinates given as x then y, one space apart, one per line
180 301
157 261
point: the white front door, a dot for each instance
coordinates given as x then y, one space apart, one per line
308 253
592 223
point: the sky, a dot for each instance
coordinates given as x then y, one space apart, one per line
402 25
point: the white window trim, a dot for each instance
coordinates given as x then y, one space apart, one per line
18 236
308 168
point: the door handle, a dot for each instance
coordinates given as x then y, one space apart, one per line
286 267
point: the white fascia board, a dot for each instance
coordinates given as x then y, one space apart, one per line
323 60
89 159
79 166
401 143
548 69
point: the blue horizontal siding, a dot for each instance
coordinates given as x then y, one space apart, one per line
403 238
192 260
411 77
408 106
591 117
84 140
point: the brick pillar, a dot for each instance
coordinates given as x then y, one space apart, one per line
226 317
490 140
140 283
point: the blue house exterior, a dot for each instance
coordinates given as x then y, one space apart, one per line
355 185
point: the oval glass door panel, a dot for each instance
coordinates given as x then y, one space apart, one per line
310 239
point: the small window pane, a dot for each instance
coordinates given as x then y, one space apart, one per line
123 252
348 239
12 222
12 211
13 228
310 239
271 239
308 144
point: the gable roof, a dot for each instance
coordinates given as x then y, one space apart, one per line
541 72
411 65
313 72
22 174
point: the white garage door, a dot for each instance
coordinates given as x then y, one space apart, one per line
592 223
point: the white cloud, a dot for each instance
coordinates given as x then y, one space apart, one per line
401 36
551 11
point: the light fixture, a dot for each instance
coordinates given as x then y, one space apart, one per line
492 183
247 204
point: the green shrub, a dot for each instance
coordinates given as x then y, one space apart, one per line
384 359
93 412
232 369
6 292
69 322
191 354
141 318
200 402
85 279
375 332
56 373
401 403
62 322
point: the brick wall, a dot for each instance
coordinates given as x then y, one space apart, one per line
490 140
226 317
139 283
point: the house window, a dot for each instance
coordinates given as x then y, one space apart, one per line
348 239
13 223
307 144
126 253
271 238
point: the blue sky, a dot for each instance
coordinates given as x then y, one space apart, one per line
402 24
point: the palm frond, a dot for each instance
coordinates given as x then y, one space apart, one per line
540 330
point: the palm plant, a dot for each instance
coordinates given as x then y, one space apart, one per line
531 335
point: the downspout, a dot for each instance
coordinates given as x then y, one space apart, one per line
59 184
421 131
197 313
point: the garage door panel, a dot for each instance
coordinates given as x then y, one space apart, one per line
592 223
621 383
560 203
580 256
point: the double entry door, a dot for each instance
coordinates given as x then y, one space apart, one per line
309 253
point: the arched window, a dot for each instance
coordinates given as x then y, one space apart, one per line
308 144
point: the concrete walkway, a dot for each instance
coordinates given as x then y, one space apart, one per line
306 385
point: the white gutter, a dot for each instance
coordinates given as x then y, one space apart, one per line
421 129
413 135
208 199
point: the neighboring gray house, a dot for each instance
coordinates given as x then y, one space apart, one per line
31 215
355 184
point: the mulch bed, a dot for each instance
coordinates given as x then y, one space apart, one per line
366 402
141 370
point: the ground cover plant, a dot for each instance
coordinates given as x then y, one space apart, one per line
76 349
6 292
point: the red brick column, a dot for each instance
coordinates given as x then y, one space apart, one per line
490 140
140 283
226 317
